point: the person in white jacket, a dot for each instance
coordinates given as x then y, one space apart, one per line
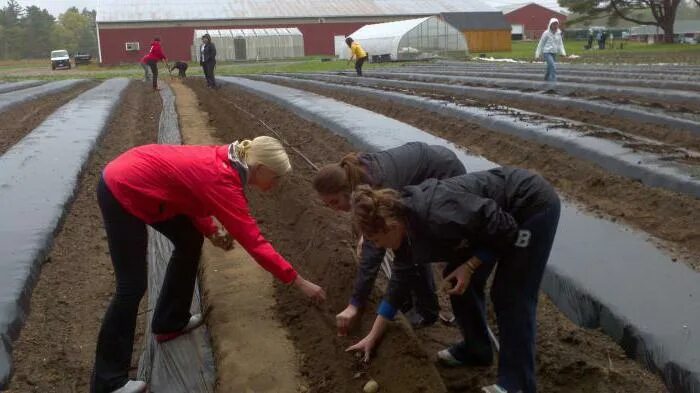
550 45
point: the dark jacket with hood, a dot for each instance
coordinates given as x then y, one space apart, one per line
406 165
207 52
451 220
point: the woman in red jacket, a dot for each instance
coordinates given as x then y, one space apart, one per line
152 58
177 190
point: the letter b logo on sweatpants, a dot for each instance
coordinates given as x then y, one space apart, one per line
523 240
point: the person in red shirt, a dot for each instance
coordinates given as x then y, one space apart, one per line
177 190
152 58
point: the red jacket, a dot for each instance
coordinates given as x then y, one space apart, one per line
155 54
158 182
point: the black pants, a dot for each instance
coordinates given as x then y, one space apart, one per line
514 294
208 68
423 297
358 65
154 70
127 238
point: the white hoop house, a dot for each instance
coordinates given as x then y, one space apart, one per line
408 40
252 44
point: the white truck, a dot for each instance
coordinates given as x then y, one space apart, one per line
60 59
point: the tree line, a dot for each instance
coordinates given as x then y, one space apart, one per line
32 32
661 13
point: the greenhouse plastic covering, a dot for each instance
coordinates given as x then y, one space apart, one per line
410 39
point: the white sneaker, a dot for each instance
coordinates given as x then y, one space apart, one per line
132 387
493 389
446 358
195 321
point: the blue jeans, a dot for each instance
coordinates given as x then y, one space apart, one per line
514 294
128 242
551 74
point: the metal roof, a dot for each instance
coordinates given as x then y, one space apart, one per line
189 10
507 9
214 33
471 21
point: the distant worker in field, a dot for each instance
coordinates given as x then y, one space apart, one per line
503 219
207 59
395 168
357 53
181 68
550 46
177 190
155 55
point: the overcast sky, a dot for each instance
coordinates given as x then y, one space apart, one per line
56 7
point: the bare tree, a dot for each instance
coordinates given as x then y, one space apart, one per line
661 13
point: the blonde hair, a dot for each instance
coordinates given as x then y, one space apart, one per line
374 210
264 150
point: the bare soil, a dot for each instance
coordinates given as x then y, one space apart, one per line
319 243
20 120
56 348
666 215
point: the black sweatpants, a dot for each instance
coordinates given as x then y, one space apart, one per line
514 293
358 65
127 238
154 70
208 68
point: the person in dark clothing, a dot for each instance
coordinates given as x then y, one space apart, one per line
155 54
402 166
207 59
504 215
181 67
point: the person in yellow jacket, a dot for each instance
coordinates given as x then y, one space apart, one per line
357 53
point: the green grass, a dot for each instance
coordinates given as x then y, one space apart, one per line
633 52
37 69
12 70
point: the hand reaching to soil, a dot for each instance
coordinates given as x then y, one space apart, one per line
313 291
222 239
345 319
366 345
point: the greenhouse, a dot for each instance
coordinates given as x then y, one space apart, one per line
411 39
252 44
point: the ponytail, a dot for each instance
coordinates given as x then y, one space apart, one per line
342 177
374 210
264 150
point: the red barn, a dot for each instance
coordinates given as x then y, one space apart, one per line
531 19
125 28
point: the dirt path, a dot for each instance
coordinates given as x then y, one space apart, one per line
252 349
22 119
666 215
57 345
318 241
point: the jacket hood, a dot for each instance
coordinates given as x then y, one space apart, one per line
553 20
418 198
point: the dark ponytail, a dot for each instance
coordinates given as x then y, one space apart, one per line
342 177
